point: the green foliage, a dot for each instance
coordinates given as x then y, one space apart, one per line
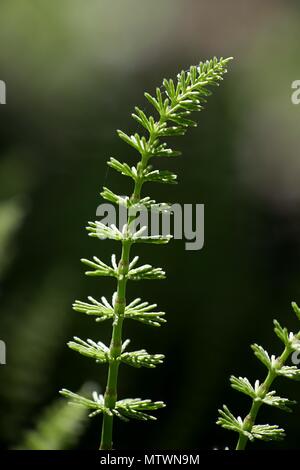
58 428
173 105
263 432
260 393
133 408
30 349
11 217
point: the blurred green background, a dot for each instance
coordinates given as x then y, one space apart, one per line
74 71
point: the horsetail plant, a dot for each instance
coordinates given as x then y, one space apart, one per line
260 393
173 103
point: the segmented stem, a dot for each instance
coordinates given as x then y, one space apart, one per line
110 396
264 388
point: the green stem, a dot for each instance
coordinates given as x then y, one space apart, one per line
264 388
248 424
110 396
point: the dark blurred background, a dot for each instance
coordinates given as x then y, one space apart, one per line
74 71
